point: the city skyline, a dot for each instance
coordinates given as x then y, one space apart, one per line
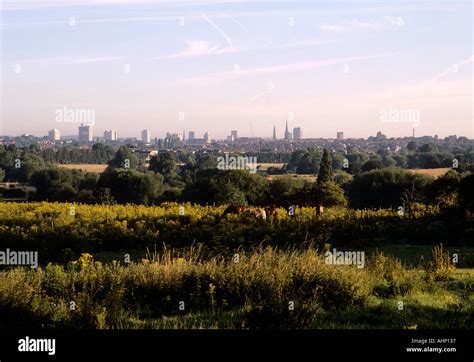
113 135
203 66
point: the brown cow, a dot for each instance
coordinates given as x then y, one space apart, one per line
257 213
234 209
319 210
272 212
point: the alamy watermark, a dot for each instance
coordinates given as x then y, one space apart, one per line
400 115
28 344
237 163
19 258
75 115
345 258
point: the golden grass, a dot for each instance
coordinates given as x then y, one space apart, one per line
266 166
97 168
433 172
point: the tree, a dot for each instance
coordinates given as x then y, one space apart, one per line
466 192
342 178
304 161
56 184
371 165
385 188
29 163
131 186
325 168
429 148
224 186
329 194
411 146
124 158
283 189
165 164
205 161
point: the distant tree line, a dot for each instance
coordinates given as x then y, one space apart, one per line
193 177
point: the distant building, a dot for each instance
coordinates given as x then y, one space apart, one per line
146 136
207 137
380 136
288 135
54 135
340 135
85 134
110 135
174 136
233 134
297 133
274 133
191 136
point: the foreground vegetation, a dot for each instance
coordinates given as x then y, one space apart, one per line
63 231
233 271
267 288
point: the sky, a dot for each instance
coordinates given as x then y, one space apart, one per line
325 66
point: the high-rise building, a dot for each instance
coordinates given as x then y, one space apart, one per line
85 133
288 134
297 133
233 134
340 135
146 136
191 135
174 136
110 135
54 135
207 137
274 133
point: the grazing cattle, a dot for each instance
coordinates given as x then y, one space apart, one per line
319 210
272 212
260 214
256 213
234 209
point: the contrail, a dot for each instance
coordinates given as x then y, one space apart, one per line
214 25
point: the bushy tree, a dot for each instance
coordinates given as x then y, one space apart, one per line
283 190
164 164
329 194
123 158
385 188
131 186
56 184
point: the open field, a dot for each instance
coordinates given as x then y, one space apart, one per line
433 172
266 166
232 272
97 168
310 178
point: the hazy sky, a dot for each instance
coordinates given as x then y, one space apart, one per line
327 66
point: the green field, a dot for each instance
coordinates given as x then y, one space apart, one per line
185 266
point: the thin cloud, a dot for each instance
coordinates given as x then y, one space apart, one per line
282 68
70 60
197 48
356 24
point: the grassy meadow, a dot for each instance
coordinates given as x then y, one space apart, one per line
184 266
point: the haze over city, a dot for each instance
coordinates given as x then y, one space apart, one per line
214 67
